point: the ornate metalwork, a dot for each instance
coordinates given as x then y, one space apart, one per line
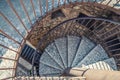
54 32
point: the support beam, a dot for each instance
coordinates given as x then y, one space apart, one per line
1 57
11 24
12 7
9 37
33 8
25 10
40 5
8 48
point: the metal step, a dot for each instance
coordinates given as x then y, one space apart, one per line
97 54
54 53
28 53
61 45
73 44
85 47
108 64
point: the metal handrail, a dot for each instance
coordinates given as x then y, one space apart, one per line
66 2
45 36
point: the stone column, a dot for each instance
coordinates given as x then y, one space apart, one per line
92 74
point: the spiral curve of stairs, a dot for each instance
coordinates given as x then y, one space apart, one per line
71 51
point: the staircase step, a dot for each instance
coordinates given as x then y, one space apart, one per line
27 53
52 66
47 59
61 45
97 54
108 64
73 44
111 62
46 70
53 51
24 50
32 54
85 47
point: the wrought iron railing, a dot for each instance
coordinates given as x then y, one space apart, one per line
94 28
19 38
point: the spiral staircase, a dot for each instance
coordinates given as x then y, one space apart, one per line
45 39
70 52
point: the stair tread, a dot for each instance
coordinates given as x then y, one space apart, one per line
27 53
32 54
108 64
61 44
52 50
111 62
24 50
84 48
46 58
46 70
97 54
72 51
73 43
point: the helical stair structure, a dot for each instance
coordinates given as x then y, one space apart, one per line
55 39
